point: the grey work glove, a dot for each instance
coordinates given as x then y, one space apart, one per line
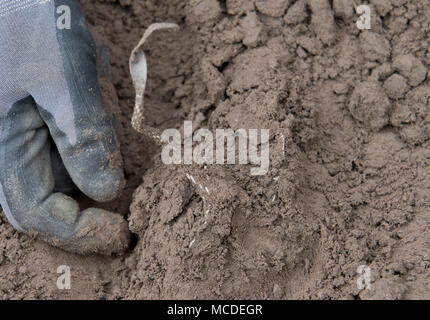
50 100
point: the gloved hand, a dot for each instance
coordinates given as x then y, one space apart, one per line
50 99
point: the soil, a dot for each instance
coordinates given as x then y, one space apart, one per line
348 113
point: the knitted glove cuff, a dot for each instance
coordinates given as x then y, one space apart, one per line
10 6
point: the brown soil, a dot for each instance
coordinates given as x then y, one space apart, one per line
348 188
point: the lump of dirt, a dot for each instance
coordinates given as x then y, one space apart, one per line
273 8
251 27
343 9
382 148
323 20
411 68
204 10
374 47
382 6
239 6
403 114
370 105
251 68
414 134
296 13
396 86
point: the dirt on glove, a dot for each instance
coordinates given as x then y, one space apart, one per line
349 177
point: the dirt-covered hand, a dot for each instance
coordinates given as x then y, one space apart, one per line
50 99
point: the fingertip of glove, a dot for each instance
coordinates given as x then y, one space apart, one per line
105 187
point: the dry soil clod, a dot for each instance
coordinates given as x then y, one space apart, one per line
138 71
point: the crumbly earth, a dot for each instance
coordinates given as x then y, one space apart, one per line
349 178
